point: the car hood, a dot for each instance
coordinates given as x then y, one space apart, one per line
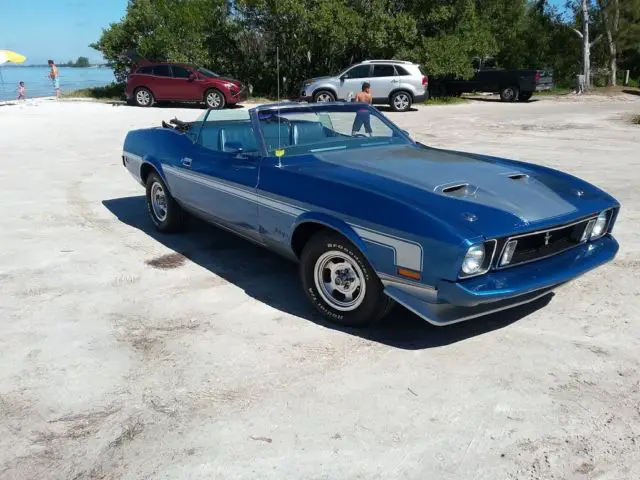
501 196
317 79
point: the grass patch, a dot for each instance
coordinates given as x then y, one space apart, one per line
446 100
113 91
553 92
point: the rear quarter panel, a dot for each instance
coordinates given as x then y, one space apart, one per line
154 147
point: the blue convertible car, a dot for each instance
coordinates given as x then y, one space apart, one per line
371 215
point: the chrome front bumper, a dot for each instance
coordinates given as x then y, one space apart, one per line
453 302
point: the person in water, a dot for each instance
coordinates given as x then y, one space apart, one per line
22 91
362 116
55 77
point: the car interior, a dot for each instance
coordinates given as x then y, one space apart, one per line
238 135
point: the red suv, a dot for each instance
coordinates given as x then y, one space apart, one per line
149 83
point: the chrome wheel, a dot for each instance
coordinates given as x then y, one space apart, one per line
340 281
401 101
324 97
214 100
143 97
158 202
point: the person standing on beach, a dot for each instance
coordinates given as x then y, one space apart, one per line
362 116
22 91
55 77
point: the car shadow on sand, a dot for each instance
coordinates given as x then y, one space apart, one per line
273 280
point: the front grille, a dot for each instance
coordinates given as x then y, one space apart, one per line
542 244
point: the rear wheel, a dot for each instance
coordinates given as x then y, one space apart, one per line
340 282
525 96
324 96
214 99
509 94
143 97
401 101
166 214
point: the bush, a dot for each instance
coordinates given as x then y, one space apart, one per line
113 91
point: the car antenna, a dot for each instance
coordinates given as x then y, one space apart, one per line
279 152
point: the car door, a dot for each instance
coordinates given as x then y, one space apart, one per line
351 81
184 85
222 181
383 80
162 82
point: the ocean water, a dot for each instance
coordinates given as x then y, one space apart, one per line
39 84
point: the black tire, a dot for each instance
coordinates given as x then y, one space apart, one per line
327 246
401 101
525 96
214 99
175 216
143 97
323 96
509 94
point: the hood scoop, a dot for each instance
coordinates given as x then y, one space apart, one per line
521 177
457 189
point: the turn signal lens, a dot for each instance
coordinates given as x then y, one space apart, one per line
412 274
509 249
600 227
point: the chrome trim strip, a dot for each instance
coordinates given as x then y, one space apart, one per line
498 267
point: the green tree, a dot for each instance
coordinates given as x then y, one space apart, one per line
82 62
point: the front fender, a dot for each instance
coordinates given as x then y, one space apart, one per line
336 224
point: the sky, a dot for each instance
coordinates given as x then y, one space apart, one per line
62 29
58 29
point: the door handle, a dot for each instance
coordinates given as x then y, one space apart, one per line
186 162
395 81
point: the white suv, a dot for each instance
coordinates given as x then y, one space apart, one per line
393 82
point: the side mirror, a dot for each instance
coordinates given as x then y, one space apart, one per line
234 147
405 132
342 78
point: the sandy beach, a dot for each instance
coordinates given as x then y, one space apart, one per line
126 354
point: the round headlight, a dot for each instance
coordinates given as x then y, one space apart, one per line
600 226
473 260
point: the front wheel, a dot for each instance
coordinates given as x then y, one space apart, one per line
340 282
214 99
166 214
401 101
525 96
509 94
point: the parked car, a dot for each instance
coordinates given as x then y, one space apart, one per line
512 85
376 218
393 82
154 82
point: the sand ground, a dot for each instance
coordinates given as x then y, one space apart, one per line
129 354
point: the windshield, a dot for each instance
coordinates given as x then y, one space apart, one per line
207 73
303 130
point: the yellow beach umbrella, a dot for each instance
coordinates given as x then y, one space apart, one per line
9 56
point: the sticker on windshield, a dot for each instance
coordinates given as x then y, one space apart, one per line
279 152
